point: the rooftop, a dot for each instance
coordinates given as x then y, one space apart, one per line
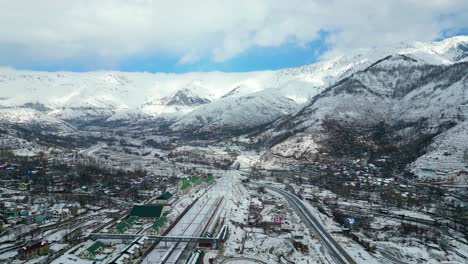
94 247
33 246
185 185
165 196
122 226
160 223
147 211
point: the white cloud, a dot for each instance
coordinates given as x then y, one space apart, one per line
189 58
111 30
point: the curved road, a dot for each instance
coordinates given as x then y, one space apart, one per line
328 241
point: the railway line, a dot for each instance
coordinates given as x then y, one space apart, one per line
193 224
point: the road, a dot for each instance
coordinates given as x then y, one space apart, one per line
337 252
90 151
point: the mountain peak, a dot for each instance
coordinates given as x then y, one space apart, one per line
186 97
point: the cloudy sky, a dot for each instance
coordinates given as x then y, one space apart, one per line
205 35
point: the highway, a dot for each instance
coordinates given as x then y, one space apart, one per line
337 252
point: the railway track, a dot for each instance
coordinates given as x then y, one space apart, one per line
198 216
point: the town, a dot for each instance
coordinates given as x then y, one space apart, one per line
207 205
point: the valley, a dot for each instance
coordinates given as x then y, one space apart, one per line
358 159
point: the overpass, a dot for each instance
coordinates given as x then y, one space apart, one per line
215 241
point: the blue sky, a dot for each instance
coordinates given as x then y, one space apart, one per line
257 58
254 59
211 35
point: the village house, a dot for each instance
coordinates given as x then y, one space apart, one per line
34 250
93 250
123 226
133 252
157 228
165 198
184 186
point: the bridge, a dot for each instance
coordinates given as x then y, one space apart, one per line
212 240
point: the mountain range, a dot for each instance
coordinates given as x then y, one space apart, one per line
412 94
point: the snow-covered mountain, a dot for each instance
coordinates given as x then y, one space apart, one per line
169 107
237 113
406 98
200 100
32 118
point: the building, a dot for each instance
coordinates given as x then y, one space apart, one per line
143 241
207 180
59 215
164 198
121 259
157 228
93 250
185 185
123 226
32 251
231 152
133 251
148 212
42 219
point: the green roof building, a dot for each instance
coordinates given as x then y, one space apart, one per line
185 185
155 228
149 212
195 180
132 219
165 196
93 250
120 228
209 179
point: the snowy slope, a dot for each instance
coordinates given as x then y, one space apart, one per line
237 113
120 95
447 156
169 107
411 96
33 118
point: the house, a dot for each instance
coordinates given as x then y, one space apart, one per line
195 180
42 219
59 215
122 227
137 248
93 250
132 219
144 242
121 259
185 185
164 198
24 213
32 251
207 180
133 252
185 188
148 212
157 227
